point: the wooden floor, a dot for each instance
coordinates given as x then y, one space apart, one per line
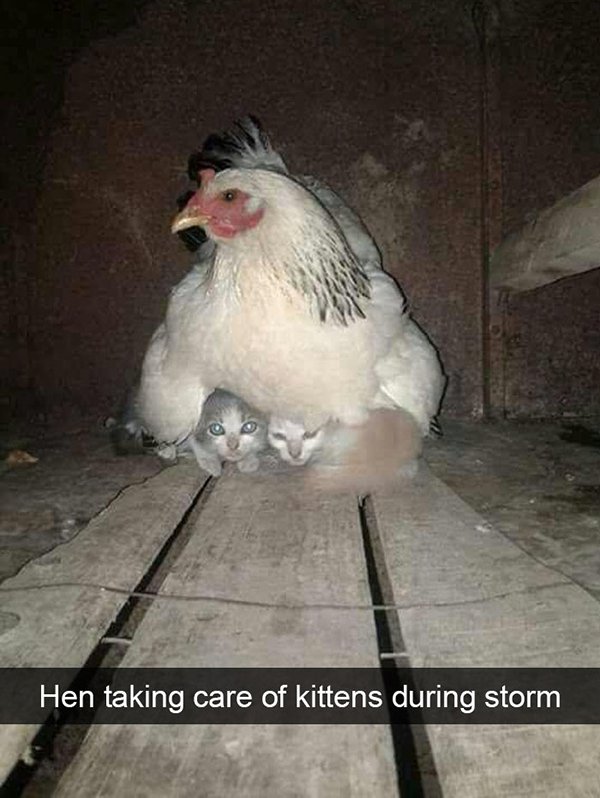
280 579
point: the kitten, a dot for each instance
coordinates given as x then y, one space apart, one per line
345 458
229 430
293 442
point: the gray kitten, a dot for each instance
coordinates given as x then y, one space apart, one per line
229 430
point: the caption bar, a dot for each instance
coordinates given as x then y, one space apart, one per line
302 695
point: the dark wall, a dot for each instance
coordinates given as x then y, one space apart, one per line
380 99
551 146
39 43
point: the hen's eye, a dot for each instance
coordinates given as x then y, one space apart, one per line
229 195
216 429
249 427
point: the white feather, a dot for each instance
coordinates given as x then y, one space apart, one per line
240 321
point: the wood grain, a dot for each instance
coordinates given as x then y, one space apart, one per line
259 539
468 597
56 600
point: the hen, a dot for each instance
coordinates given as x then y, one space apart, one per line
287 307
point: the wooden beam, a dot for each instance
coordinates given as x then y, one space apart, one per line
57 600
561 241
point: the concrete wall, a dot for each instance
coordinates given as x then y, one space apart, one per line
380 99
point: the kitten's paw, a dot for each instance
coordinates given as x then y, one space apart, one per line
167 452
213 466
248 464
207 462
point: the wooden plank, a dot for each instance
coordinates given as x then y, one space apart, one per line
56 604
468 597
259 539
560 241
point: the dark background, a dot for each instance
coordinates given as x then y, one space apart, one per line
382 99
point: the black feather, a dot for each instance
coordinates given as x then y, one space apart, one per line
435 428
127 432
126 442
223 150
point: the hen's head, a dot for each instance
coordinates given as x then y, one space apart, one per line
270 220
226 205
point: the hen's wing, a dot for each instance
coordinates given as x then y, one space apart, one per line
170 394
411 376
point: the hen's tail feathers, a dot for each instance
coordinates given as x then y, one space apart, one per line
127 433
435 428
126 441
384 450
244 145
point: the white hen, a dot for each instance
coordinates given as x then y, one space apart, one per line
288 307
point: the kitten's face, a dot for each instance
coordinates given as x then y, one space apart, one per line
293 442
232 429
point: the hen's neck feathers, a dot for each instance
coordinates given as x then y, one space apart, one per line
297 248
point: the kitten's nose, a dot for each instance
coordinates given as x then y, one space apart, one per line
295 449
233 443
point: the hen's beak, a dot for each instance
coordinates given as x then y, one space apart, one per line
189 217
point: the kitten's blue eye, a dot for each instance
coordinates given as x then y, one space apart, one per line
308 435
216 429
249 427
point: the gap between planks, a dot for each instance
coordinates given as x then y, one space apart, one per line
266 542
469 597
61 626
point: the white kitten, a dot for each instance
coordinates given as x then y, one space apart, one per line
345 458
293 442
229 430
